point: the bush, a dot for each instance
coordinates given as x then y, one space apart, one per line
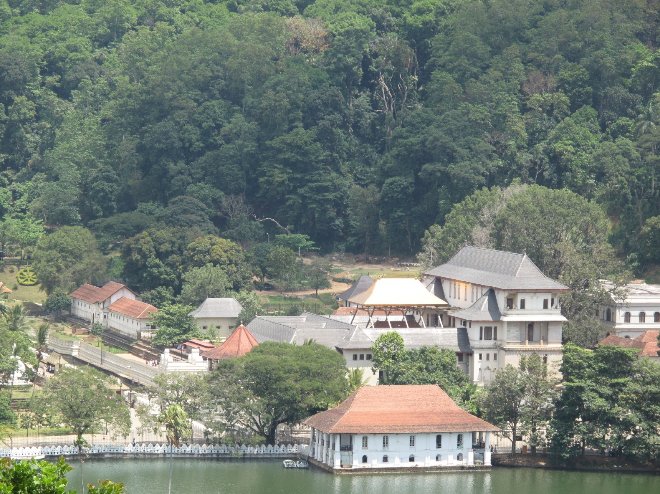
26 276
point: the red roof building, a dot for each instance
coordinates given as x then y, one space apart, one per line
134 309
240 342
90 303
646 343
399 426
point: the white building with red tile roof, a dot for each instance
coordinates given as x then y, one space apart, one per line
89 302
384 427
130 317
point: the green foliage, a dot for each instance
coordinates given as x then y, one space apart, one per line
520 401
609 402
176 423
82 399
26 276
57 302
68 258
273 384
174 325
223 254
427 365
251 306
45 477
202 283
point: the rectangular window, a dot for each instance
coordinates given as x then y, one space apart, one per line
481 332
438 441
412 441
509 303
552 303
545 303
365 442
479 357
362 356
522 303
355 356
488 356
386 442
459 441
368 356
495 333
494 356
488 332
460 357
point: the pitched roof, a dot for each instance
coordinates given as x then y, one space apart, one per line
218 307
362 283
496 268
135 309
646 343
201 344
635 292
93 294
398 409
397 292
455 339
323 330
484 309
239 343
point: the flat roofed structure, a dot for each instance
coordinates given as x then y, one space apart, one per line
398 426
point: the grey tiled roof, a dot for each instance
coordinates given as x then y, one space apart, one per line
298 329
455 339
218 307
496 268
484 309
362 284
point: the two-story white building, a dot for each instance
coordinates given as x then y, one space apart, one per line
407 426
633 310
508 306
90 303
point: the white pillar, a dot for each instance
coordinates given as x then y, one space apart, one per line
487 450
337 451
470 458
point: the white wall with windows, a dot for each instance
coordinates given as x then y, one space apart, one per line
441 449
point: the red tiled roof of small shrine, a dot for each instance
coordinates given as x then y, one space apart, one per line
201 344
398 409
132 308
646 343
238 344
93 294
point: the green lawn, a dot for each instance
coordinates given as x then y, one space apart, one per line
19 292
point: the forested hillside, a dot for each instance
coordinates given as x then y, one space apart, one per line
360 123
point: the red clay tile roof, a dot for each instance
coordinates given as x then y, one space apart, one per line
646 343
398 409
93 294
201 344
132 308
238 344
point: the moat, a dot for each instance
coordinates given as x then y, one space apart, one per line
269 477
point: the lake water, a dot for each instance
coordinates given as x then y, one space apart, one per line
269 477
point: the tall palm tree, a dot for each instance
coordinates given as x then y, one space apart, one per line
15 319
176 423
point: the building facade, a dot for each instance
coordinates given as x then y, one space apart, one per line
130 317
385 427
90 303
217 316
633 310
507 305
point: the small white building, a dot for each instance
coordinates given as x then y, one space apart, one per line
217 316
130 317
90 303
411 426
633 310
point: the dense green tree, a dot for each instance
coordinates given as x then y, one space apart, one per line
68 258
202 283
83 400
224 254
317 274
174 325
608 402
277 383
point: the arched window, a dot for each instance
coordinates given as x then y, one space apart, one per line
385 459
438 457
411 458
608 314
642 317
460 457
656 317
364 458
626 317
